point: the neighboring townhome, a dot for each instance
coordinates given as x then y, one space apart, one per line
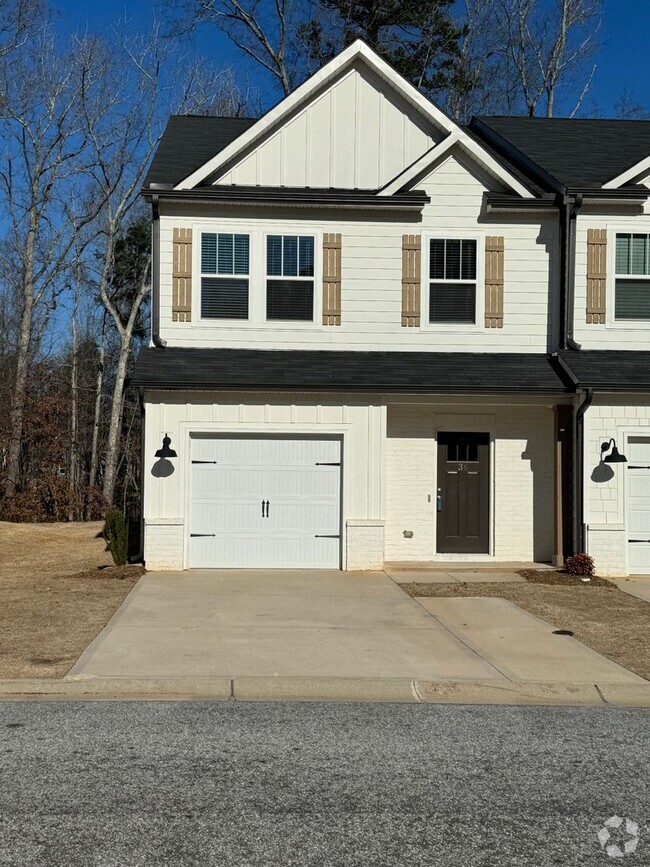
363 328
598 170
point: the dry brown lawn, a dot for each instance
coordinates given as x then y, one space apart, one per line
600 615
58 589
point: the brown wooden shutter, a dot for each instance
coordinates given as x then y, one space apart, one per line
331 279
182 276
596 275
494 281
411 285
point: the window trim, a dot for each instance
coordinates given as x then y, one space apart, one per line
611 322
317 320
231 321
257 275
453 327
616 276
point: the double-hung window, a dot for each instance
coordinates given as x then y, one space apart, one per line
224 275
632 277
290 277
452 281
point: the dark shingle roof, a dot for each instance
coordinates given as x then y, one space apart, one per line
577 152
344 370
188 142
614 370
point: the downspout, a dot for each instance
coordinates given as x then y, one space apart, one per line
579 527
155 274
569 212
139 557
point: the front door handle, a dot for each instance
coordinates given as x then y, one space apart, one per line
439 503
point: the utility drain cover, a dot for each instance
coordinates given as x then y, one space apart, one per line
562 632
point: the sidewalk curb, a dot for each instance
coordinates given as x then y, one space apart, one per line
331 689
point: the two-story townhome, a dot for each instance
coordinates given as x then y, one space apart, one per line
364 320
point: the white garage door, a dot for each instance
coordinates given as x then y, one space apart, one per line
638 504
265 502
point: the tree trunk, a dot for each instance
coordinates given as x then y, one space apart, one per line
22 365
74 445
94 453
112 445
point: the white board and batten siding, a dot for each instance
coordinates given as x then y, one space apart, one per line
371 273
269 442
617 496
357 134
265 502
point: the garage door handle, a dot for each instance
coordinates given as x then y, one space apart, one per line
265 505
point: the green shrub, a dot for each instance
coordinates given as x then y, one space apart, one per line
116 536
580 564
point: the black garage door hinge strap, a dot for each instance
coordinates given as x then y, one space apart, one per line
639 540
328 463
205 462
634 467
195 535
327 536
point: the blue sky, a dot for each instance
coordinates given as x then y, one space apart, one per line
622 63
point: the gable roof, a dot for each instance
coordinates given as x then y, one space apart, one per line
188 141
580 153
357 52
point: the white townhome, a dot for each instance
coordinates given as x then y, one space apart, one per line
365 333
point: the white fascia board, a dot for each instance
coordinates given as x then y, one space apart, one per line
357 50
419 166
628 175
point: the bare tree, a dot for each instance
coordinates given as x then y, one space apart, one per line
528 57
41 185
267 31
124 116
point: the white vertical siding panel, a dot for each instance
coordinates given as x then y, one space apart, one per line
368 137
318 171
294 152
270 158
343 144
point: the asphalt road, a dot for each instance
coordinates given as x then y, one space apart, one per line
136 783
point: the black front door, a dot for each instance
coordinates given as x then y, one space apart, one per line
463 493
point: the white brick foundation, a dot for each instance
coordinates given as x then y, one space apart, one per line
164 544
365 544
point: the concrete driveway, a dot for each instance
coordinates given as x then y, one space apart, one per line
219 623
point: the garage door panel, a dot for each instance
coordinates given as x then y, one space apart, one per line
299 479
637 485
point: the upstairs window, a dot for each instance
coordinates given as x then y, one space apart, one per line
452 281
632 278
290 277
224 275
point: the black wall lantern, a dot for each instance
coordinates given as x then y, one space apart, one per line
166 451
614 457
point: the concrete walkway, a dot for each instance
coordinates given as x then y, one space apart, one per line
639 587
237 624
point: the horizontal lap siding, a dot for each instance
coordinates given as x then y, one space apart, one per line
371 277
608 335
